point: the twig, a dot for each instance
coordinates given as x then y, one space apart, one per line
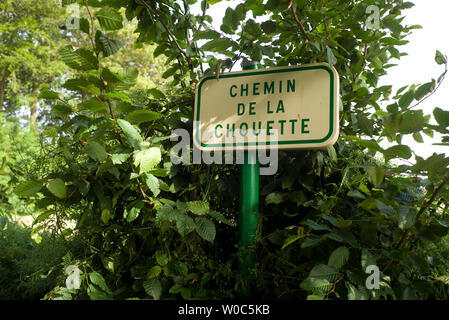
91 36
171 36
433 91
144 195
303 31
334 285
418 215
363 64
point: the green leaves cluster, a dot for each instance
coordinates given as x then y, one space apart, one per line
156 230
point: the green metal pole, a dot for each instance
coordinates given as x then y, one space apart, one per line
249 205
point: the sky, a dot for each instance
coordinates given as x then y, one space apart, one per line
418 67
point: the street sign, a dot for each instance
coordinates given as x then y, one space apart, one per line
298 104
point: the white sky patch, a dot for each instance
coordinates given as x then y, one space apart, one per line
420 67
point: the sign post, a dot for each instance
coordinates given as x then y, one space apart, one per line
248 204
244 111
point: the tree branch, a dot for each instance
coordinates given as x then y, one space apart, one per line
418 215
301 27
170 34
433 91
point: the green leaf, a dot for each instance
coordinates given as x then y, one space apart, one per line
95 294
322 271
313 284
269 27
153 184
205 228
418 137
140 116
80 59
219 44
198 207
132 211
61 111
48 94
383 208
154 272
161 49
175 289
276 198
177 268
406 217
367 259
109 19
186 293
169 72
376 175
330 56
67 2
314 297
110 77
291 239
147 159
185 225
93 105
401 151
412 121
315 226
219 217
41 217
161 258
442 117
407 99
332 153
133 136
83 186
356 194
435 164
96 151
153 288
310 242
105 215
424 90
372 145
98 280
28 188
120 158
440 58
85 25
107 46
57 187
158 94
338 258
354 293
3 222
128 78
207 34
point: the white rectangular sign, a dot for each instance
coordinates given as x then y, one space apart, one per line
298 105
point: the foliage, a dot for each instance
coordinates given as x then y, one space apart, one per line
18 150
152 229
26 267
29 41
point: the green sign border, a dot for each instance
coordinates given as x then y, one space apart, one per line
268 71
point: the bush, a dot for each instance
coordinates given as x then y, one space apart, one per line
27 269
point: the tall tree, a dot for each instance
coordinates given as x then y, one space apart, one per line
30 37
